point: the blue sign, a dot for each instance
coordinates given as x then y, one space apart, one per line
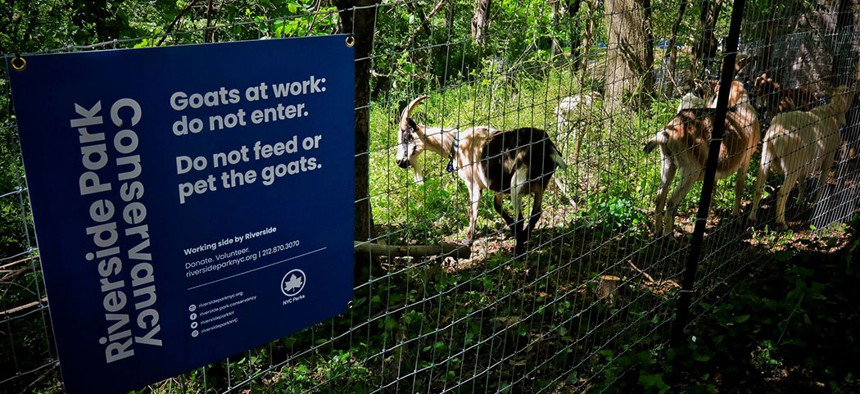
190 202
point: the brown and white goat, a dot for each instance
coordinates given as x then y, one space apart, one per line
800 143
772 98
741 106
684 145
516 162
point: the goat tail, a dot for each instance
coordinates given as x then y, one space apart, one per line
659 139
556 157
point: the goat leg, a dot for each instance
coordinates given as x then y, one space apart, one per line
474 203
782 196
533 217
686 183
739 189
518 188
801 191
498 199
667 174
824 171
759 183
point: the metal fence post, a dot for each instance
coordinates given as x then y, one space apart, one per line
726 76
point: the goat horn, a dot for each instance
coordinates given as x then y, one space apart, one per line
408 110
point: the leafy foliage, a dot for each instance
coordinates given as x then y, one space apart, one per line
426 324
772 334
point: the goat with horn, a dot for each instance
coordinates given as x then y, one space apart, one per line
515 162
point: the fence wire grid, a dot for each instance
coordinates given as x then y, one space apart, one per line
598 279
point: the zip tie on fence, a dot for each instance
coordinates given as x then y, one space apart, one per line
18 63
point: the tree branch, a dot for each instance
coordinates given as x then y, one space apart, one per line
175 21
457 251
24 307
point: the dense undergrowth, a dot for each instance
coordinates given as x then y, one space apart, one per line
789 326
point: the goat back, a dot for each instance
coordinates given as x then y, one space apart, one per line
689 135
528 149
812 135
798 141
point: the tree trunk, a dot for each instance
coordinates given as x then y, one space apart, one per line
566 15
556 45
481 21
767 50
99 16
844 59
705 50
647 62
630 53
442 249
582 61
673 40
360 23
209 32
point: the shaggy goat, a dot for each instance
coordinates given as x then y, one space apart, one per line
684 145
516 162
800 143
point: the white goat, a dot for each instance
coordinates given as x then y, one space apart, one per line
690 100
800 143
684 144
572 112
516 162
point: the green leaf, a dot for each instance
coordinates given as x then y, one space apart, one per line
653 381
783 255
702 357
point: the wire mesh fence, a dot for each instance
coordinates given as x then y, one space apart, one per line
599 278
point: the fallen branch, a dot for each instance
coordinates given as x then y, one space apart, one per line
648 278
453 250
51 368
24 307
7 276
5 266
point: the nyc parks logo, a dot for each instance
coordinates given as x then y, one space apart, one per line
293 282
